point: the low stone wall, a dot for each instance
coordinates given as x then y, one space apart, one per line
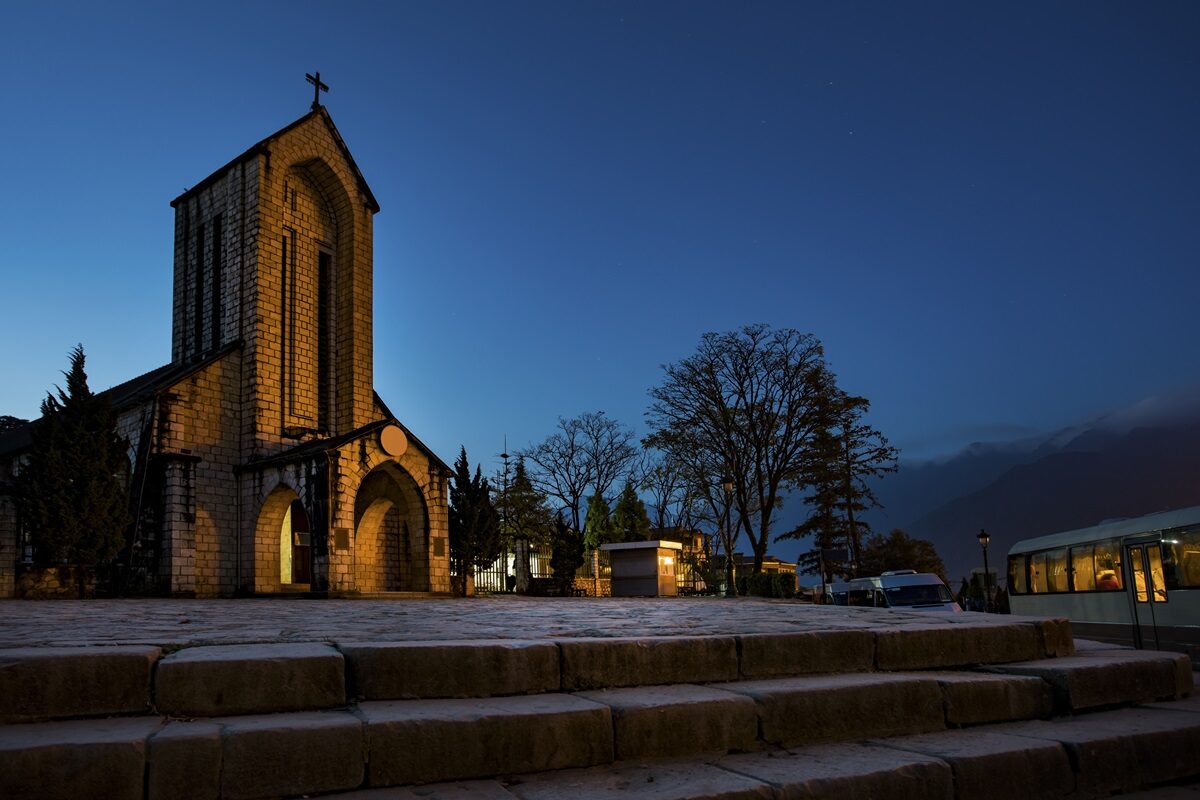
593 587
52 583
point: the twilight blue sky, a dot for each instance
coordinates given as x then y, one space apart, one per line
988 212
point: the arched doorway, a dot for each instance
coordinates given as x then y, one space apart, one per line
282 543
391 543
295 546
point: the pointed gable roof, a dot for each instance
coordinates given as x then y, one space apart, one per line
265 146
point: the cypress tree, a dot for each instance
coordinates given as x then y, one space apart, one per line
70 493
629 516
566 552
474 522
597 526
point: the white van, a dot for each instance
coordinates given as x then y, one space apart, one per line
902 588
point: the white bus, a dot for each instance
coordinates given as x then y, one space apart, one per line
1130 581
903 588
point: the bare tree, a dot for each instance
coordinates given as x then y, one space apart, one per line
561 468
671 496
746 407
610 448
585 457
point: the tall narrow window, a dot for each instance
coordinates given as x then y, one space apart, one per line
285 332
215 307
198 308
324 336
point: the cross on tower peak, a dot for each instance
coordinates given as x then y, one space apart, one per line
318 87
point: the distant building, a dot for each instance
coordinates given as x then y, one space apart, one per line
695 559
261 459
771 565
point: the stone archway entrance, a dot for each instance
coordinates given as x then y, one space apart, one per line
295 546
391 542
283 543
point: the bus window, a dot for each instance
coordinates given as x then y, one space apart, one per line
1139 574
1083 568
1016 575
1056 570
1181 554
1037 573
1108 566
1158 587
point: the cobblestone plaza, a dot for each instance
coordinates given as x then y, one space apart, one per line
174 623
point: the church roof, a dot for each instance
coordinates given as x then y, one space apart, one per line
315 446
265 146
122 395
141 388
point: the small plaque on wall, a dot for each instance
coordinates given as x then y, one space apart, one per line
341 538
439 548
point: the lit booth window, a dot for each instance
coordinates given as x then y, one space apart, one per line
644 569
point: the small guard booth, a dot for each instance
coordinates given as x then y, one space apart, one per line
644 569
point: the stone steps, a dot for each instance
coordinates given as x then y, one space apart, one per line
222 680
1091 756
273 720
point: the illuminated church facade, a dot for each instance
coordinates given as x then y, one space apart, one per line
261 459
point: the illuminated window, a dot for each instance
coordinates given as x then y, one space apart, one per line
1181 557
1158 585
1016 575
1056 571
1037 572
1108 566
1138 569
1083 568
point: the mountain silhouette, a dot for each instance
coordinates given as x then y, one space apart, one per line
1073 479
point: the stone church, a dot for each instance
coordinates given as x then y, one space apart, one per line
261 459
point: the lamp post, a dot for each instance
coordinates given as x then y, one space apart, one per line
730 586
983 538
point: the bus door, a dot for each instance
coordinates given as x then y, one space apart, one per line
1147 589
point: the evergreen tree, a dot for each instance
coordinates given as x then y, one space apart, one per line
900 551
845 455
523 510
70 492
825 522
629 517
863 454
566 552
8 423
474 522
598 528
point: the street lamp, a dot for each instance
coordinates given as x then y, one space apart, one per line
730 586
983 538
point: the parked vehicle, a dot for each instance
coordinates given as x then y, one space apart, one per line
906 588
1130 581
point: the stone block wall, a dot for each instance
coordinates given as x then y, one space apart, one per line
307 192
426 498
199 436
225 211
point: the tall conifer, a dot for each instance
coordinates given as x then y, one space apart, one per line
474 522
629 516
71 492
597 526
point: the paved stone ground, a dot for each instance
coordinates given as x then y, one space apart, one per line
176 623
